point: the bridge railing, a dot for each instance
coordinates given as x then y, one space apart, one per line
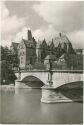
64 71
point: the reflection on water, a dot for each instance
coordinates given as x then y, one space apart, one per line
24 106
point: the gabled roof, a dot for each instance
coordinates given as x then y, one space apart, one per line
52 46
61 39
27 42
43 44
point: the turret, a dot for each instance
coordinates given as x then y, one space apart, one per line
29 35
38 51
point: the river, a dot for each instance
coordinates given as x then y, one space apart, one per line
23 107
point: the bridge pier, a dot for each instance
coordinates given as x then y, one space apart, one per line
49 92
20 85
51 95
17 84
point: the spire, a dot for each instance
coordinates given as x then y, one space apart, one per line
29 35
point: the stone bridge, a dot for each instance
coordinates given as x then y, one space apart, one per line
59 77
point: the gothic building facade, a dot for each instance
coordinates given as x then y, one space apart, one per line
30 51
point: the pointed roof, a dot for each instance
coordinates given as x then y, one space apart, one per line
28 43
44 44
61 39
52 46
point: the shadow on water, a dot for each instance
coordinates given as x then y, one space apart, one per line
73 91
33 82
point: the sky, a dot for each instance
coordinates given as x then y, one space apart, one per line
45 19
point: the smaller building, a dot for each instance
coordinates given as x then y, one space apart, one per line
48 62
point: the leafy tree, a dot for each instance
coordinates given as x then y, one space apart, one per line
7 74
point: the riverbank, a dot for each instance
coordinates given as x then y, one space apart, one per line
13 87
5 87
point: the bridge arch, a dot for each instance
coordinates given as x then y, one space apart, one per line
72 85
33 81
59 78
41 76
73 90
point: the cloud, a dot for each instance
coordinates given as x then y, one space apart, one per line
59 16
77 38
10 24
21 34
41 33
48 33
4 10
64 16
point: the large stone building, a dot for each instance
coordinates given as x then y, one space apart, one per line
30 51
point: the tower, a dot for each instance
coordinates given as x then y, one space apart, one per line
29 35
38 51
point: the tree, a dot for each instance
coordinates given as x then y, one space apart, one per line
7 74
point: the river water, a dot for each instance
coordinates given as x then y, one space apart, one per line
23 106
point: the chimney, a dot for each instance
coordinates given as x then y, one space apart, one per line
29 35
